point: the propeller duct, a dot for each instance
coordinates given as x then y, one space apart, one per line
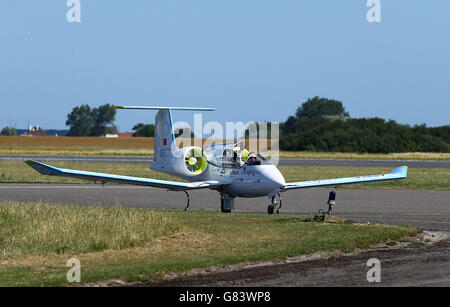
195 161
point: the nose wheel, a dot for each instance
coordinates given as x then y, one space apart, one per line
276 201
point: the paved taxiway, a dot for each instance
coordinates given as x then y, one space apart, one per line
282 162
424 209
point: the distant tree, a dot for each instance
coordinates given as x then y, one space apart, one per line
257 127
317 106
183 131
9 131
102 117
142 130
80 121
84 121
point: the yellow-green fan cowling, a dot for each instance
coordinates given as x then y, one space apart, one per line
242 155
194 161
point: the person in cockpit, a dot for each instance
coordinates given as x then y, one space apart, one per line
252 159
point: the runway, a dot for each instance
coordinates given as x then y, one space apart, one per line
423 209
282 162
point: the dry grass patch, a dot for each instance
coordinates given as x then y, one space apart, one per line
46 142
141 146
71 229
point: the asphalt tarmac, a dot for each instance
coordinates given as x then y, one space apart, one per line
282 162
423 209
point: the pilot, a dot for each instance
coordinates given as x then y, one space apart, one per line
252 159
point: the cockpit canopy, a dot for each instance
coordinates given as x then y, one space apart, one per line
232 155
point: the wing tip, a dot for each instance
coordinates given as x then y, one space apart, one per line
42 168
402 170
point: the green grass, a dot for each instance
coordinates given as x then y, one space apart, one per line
366 156
418 178
26 227
36 240
19 172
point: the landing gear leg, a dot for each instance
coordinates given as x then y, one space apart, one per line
188 201
226 203
274 203
187 196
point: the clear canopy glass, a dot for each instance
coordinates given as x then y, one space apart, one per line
233 155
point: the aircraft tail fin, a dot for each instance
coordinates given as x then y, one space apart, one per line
165 146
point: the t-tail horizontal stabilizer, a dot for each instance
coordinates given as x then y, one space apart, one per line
164 108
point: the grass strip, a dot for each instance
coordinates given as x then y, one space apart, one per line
426 178
37 240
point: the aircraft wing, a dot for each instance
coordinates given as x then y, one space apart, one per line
396 174
105 178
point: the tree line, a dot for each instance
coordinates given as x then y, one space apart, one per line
8 131
319 124
322 124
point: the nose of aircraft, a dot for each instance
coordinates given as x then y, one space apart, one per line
273 175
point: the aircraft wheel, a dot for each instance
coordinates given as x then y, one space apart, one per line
222 206
270 209
225 210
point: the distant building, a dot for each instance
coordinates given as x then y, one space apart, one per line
113 132
126 134
34 131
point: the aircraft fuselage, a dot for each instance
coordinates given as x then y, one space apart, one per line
246 181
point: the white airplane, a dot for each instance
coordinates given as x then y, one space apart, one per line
228 168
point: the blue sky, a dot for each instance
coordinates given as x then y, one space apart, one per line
252 60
